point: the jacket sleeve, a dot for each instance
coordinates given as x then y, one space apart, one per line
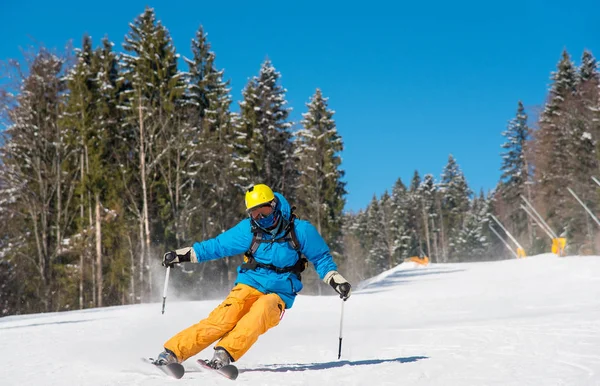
315 248
232 242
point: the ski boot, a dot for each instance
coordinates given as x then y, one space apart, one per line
221 364
167 362
166 357
220 358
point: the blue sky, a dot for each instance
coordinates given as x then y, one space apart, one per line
410 83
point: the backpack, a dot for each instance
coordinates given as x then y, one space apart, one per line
289 236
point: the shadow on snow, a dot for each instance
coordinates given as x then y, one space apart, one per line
331 365
48 323
403 276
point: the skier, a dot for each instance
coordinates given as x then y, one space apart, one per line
273 241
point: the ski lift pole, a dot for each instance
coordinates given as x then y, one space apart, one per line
507 232
584 207
537 221
504 241
165 289
341 324
554 236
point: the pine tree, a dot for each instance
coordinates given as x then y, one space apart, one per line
401 206
588 81
414 216
109 88
564 82
354 252
264 149
389 233
91 126
15 276
220 126
516 171
110 158
33 156
588 70
154 93
378 248
321 192
588 97
427 193
213 194
209 148
580 120
472 242
80 124
360 229
552 146
455 201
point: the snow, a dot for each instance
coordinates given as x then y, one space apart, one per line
531 321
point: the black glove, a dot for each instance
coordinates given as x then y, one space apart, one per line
339 284
177 256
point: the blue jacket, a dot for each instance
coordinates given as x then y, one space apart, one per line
237 240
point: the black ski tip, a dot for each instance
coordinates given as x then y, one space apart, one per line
230 371
176 370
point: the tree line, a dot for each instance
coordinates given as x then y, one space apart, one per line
444 220
108 159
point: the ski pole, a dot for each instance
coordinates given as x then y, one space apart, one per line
165 289
341 324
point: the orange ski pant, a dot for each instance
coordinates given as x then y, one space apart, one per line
238 321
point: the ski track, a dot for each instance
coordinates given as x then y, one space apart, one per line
518 322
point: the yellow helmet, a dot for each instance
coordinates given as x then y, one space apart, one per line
258 195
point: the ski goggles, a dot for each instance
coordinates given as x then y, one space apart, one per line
261 212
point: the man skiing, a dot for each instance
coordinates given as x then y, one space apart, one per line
267 283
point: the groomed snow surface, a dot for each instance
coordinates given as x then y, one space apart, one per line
533 321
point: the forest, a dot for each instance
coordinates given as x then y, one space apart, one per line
109 158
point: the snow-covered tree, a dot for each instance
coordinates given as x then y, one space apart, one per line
119 264
564 82
321 191
378 247
155 87
427 192
354 262
264 149
516 170
32 158
210 194
86 134
553 161
456 195
399 226
588 70
472 241
580 119
414 220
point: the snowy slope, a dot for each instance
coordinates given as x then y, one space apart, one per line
534 321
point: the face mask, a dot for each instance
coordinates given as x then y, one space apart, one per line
268 221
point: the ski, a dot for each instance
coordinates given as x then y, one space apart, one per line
175 370
229 371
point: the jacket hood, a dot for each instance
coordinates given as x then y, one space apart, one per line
283 206
283 209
